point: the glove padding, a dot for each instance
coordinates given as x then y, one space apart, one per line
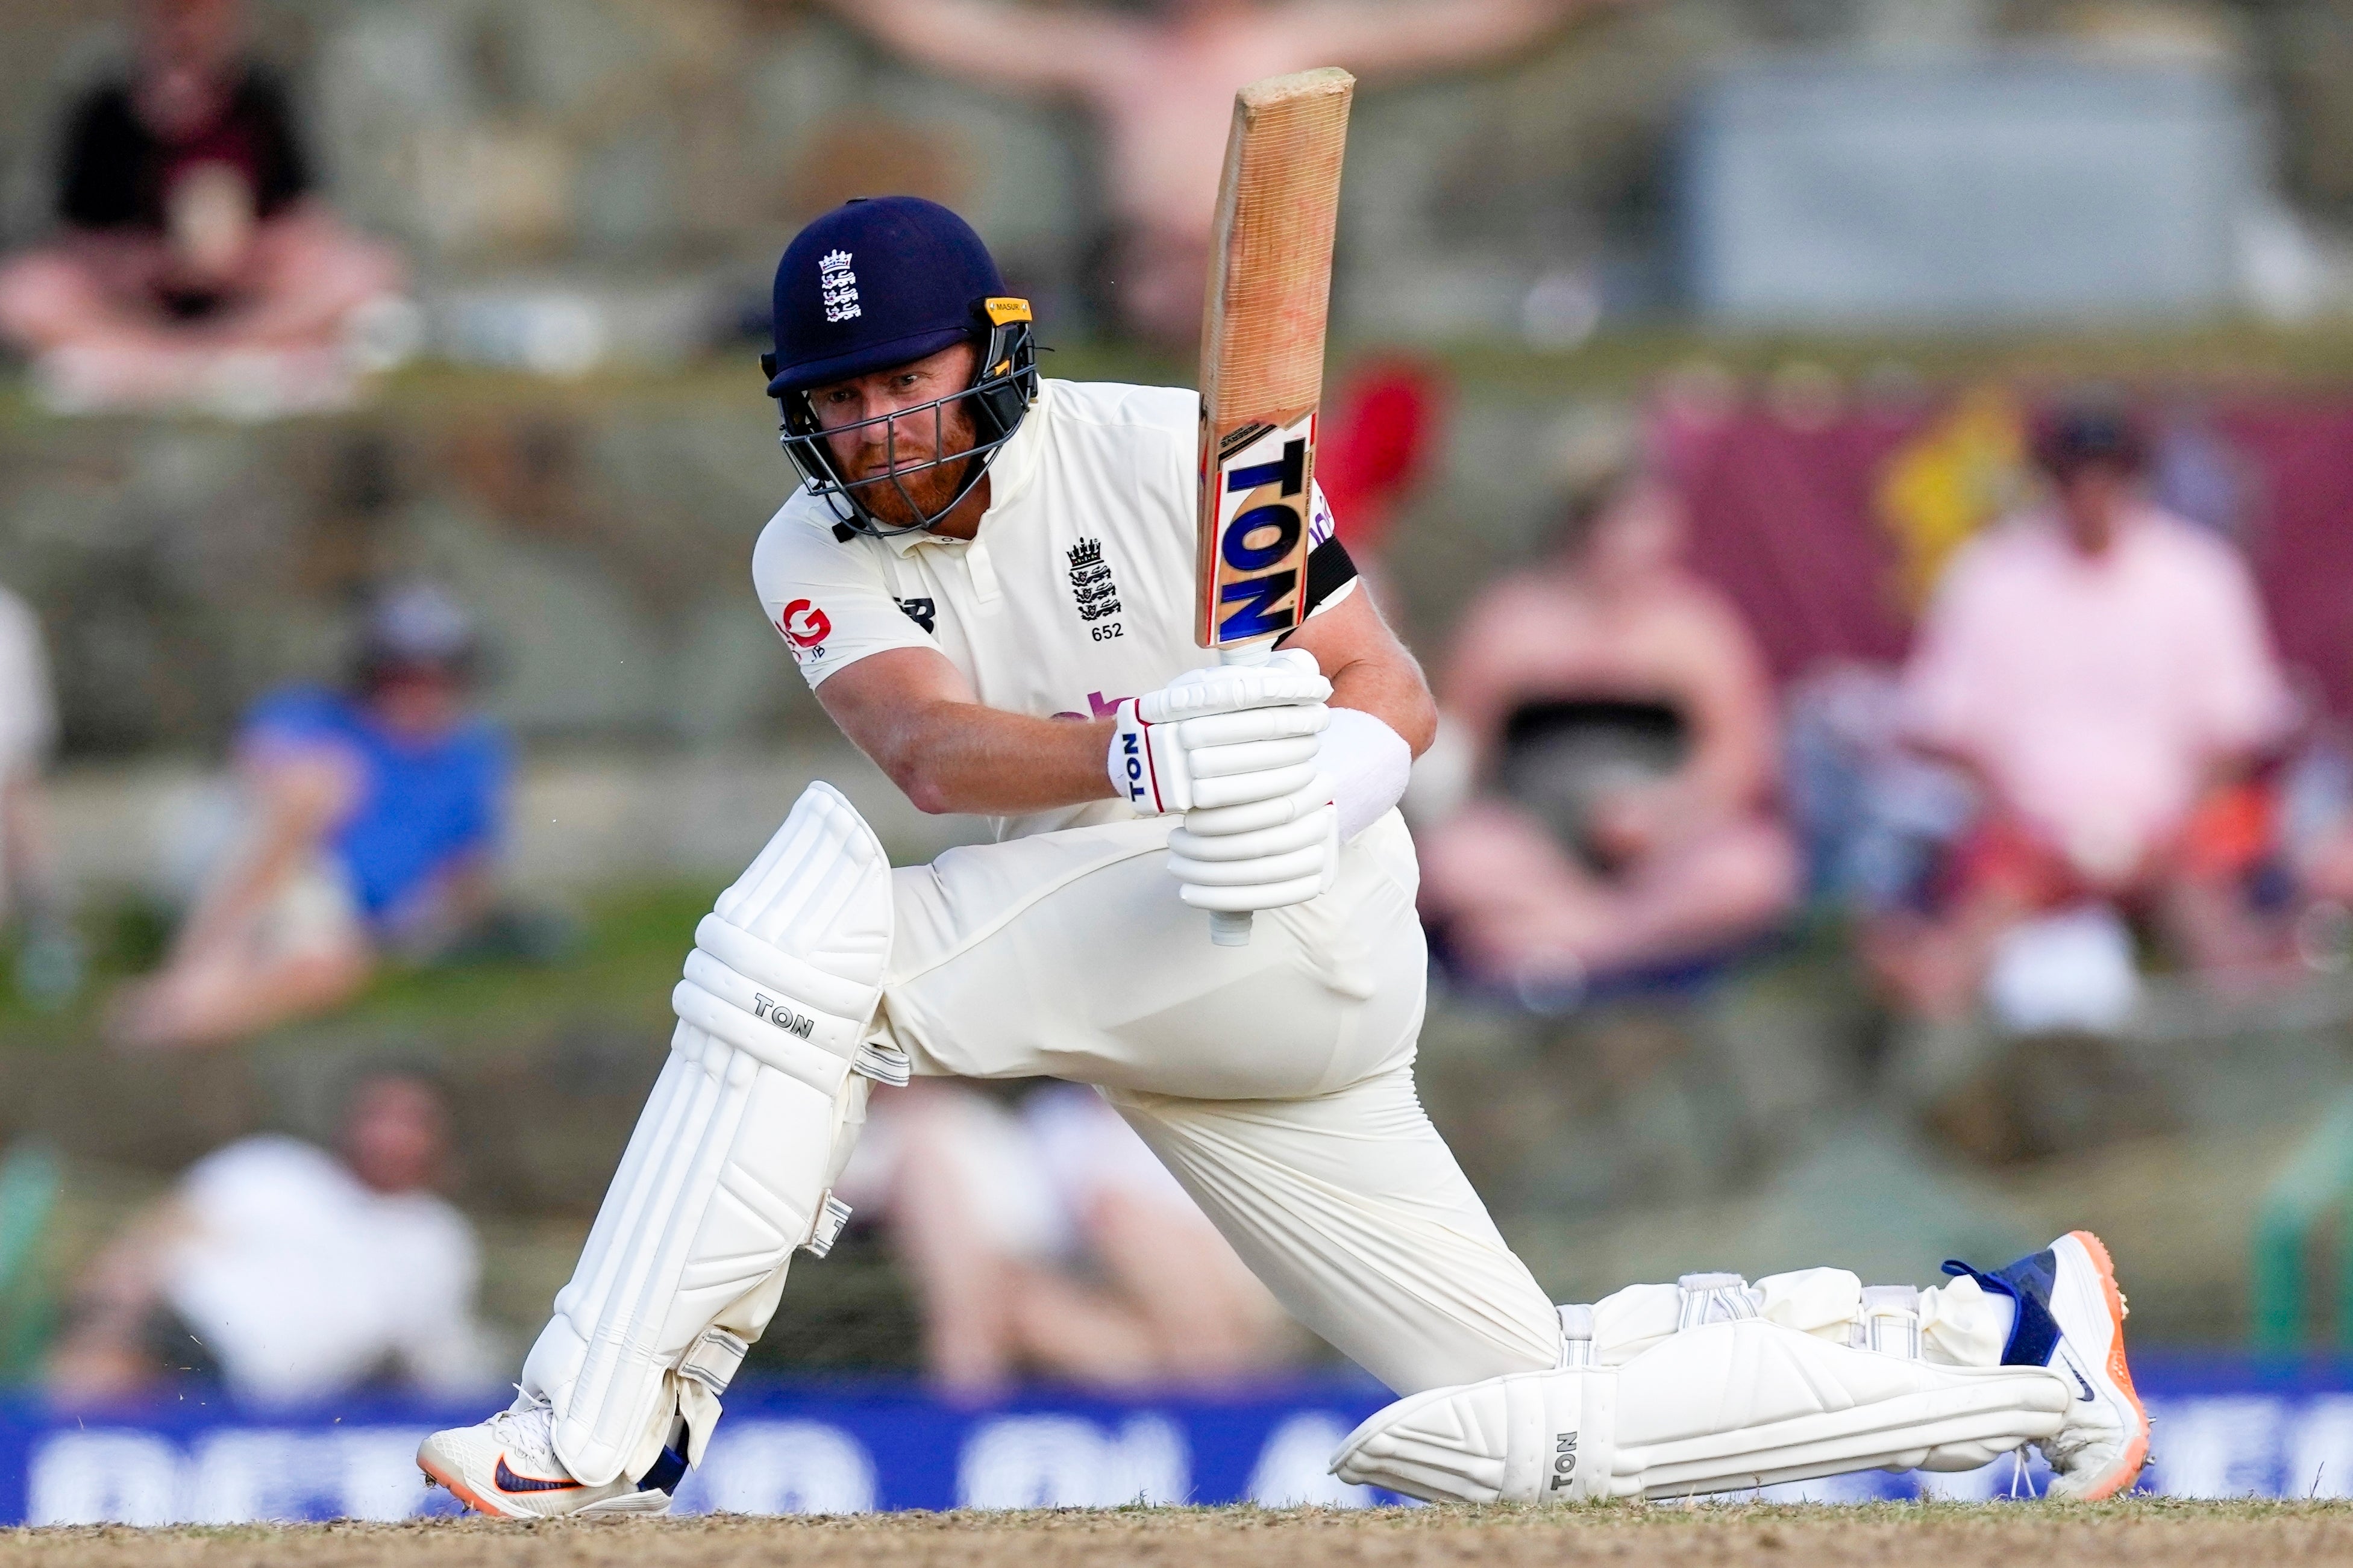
1287 678
1211 756
1259 855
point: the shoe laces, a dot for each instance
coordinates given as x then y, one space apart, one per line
528 1426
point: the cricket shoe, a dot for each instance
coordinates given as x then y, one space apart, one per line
2071 1318
507 1467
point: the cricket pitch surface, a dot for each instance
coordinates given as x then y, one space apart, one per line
2139 1531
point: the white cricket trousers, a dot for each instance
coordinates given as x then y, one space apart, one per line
1274 1081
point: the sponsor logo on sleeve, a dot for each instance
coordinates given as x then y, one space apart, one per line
805 627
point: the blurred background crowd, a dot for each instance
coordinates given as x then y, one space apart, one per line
1872 481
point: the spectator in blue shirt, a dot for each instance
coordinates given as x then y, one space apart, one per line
376 817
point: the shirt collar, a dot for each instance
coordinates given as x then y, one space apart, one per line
1008 477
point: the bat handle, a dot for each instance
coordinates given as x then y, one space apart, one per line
1231 928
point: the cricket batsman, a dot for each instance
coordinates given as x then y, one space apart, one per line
987 577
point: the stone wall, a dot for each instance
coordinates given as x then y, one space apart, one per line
183 566
666 138
603 529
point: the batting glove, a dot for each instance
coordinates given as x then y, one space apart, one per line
1286 678
1201 742
1262 854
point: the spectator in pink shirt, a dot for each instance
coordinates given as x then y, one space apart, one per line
2101 670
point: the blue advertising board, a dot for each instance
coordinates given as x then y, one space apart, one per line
2225 1429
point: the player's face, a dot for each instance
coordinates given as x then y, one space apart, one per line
873 445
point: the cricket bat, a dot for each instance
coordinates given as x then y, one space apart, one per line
1263 367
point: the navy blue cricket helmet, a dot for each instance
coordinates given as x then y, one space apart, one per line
882 281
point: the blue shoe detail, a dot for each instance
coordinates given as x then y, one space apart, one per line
665 1473
507 1480
2034 1333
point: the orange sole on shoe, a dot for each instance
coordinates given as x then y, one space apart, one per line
462 1492
2135 1454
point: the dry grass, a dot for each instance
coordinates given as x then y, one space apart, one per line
2142 1532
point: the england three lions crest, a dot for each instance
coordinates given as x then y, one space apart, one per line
1090 582
837 286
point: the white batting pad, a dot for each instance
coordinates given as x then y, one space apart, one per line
728 1169
1727 1406
1531 1437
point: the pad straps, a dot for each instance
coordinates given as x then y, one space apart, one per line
1889 1321
1575 1336
756 996
713 1358
1712 1299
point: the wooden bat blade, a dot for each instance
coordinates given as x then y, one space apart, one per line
1262 351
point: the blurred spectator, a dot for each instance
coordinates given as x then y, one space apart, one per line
290 1273
376 814
1163 87
2101 672
1381 433
49 959
1621 727
1050 1240
196 263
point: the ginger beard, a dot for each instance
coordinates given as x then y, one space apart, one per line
893 465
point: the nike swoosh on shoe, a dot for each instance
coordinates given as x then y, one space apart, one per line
508 1482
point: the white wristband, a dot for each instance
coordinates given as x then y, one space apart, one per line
1367 763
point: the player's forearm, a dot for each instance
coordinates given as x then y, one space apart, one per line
1392 690
966 757
1370 669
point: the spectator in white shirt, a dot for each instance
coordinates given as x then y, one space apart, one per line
1049 1241
294 1274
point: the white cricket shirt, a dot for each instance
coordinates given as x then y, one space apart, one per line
1076 592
